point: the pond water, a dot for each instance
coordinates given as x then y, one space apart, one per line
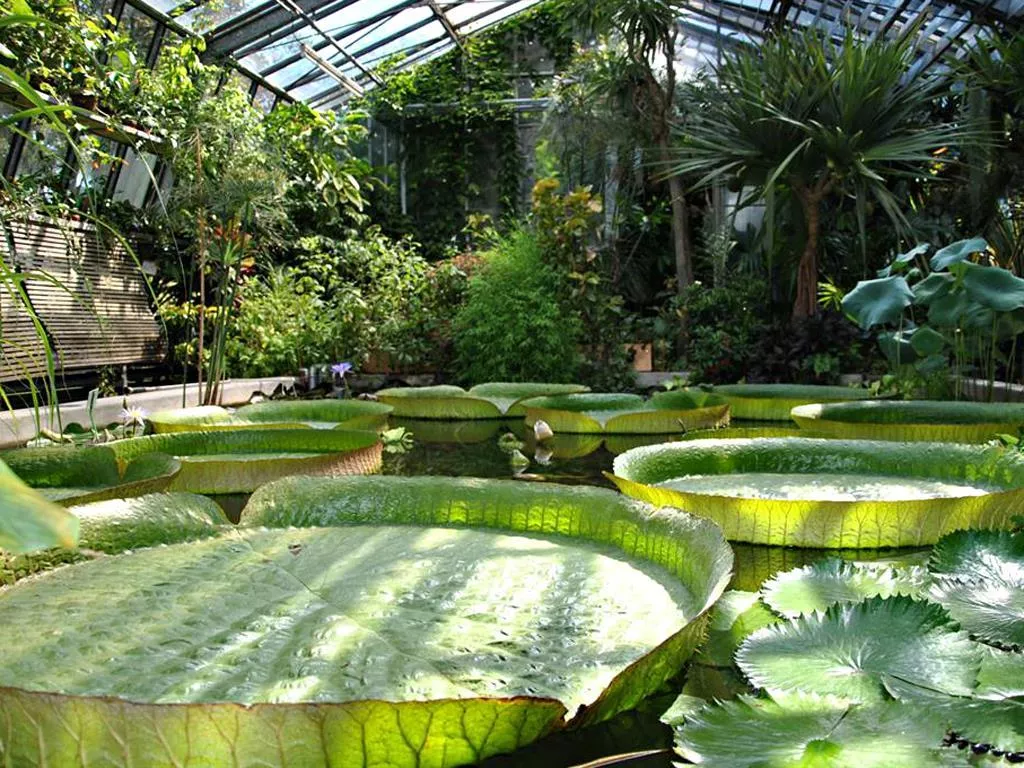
482 449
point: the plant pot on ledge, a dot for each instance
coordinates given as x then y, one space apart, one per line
643 356
88 101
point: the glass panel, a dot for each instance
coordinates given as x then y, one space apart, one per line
164 6
213 13
264 99
93 171
135 177
42 159
95 8
494 18
237 80
140 28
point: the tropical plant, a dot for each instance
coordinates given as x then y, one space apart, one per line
513 326
819 120
959 307
649 31
322 552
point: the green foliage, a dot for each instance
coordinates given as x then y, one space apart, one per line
512 327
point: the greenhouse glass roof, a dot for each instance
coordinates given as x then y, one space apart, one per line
322 51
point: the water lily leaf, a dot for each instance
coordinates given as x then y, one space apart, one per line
495 400
927 341
896 347
801 731
832 494
29 521
773 402
879 301
911 420
117 525
994 287
240 460
817 587
918 250
1001 675
851 649
999 724
957 252
596 413
452 620
980 581
935 286
78 475
735 616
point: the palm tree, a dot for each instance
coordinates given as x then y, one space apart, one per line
818 119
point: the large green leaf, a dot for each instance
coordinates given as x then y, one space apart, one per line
484 401
957 252
999 724
773 402
665 413
896 347
1001 675
936 286
994 287
325 414
29 521
785 491
805 731
735 616
927 341
819 586
980 581
117 525
854 650
361 621
238 461
918 420
70 475
879 301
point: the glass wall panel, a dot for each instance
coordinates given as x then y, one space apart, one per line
43 158
134 179
140 28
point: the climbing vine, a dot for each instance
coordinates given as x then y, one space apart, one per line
459 129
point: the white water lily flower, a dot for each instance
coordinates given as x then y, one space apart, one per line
542 430
133 417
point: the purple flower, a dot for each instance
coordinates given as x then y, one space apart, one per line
340 369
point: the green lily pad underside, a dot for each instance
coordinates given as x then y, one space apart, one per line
773 402
72 475
405 622
783 491
323 414
979 579
665 413
496 400
239 461
864 652
915 420
819 586
807 730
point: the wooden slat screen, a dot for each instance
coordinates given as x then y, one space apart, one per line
95 305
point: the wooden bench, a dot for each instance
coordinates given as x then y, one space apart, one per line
94 304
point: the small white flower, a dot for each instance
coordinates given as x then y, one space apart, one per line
542 430
133 417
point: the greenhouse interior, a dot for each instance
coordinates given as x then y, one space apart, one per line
511 383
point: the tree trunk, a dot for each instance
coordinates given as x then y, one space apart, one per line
680 224
806 304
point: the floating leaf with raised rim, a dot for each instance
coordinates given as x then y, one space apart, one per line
773 402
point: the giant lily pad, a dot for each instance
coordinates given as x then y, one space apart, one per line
70 475
838 494
665 413
801 731
927 420
359 621
773 402
28 520
324 414
496 400
864 652
239 461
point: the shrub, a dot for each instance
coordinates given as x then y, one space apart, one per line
512 327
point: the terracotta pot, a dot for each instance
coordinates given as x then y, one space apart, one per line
89 101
